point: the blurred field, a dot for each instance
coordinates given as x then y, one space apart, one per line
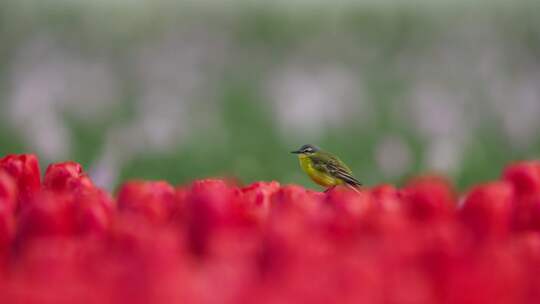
184 90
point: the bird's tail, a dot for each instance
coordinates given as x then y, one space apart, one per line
348 179
354 187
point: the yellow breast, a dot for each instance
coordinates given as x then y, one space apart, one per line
317 176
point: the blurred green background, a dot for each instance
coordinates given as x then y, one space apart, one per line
186 90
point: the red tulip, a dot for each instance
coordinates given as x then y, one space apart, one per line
256 199
209 205
7 228
67 176
492 275
24 168
8 192
259 193
47 215
296 214
349 209
428 198
524 176
350 202
526 215
141 264
527 250
488 209
294 198
214 242
8 200
214 200
155 201
93 211
387 198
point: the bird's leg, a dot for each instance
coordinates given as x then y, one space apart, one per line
328 189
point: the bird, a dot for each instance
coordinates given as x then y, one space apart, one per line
325 169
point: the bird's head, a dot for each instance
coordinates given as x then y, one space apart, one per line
307 150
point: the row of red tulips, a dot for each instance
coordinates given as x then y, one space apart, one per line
63 240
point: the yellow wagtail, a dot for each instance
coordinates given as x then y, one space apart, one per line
325 169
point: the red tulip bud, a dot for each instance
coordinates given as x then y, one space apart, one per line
524 176
488 208
67 176
153 200
429 197
24 168
8 192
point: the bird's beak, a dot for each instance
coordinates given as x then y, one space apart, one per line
296 152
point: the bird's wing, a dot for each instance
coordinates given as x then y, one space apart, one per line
334 167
